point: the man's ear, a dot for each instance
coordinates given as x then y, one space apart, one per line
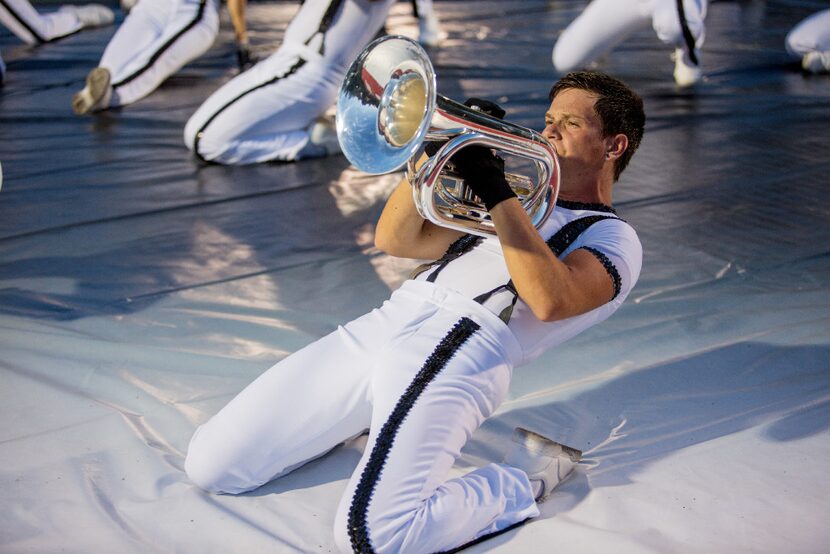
615 146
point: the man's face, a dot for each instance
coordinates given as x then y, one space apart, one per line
575 132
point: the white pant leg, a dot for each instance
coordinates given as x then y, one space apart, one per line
32 27
263 114
157 39
597 30
139 31
666 22
810 35
296 411
431 390
425 8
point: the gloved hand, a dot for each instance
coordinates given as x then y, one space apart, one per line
243 56
483 172
485 106
490 108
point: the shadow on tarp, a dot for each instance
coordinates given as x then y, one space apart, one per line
637 419
125 263
647 415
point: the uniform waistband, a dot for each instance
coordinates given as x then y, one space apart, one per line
453 301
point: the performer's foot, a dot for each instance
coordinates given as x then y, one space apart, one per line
430 32
686 72
95 95
92 15
322 140
816 62
546 462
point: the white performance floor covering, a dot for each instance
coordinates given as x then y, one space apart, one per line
140 290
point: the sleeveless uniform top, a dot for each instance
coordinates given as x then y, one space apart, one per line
480 272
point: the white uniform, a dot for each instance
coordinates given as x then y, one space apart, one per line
157 39
264 113
810 41
34 28
606 23
421 373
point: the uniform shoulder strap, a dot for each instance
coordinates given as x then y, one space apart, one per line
569 232
458 248
558 243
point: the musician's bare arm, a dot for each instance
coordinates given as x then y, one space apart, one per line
402 232
553 289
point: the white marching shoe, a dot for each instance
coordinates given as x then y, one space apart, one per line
95 95
816 62
686 72
322 140
430 32
92 15
544 460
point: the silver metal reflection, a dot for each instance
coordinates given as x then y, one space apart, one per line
388 110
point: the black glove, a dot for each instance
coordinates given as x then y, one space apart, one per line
484 106
243 57
483 172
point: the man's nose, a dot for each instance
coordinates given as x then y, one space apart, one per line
551 131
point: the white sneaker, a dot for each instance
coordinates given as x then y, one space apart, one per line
430 32
322 140
542 459
686 73
92 15
95 95
816 62
127 5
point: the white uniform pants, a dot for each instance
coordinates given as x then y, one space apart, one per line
421 373
811 35
263 114
606 23
19 17
157 39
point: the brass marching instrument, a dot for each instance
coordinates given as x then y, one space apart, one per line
388 110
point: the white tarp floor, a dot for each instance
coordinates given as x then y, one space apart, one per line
140 290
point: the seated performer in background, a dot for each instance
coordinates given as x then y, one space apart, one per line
273 111
809 41
423 371
606 23
156 39
22 19
430 32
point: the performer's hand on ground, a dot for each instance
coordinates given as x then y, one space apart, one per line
244 58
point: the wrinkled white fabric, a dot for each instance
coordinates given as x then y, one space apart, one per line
606 23
47 26
264 113
353 379
157 39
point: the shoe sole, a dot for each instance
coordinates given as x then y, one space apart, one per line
92 95
543 445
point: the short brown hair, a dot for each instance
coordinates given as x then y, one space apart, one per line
619 108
